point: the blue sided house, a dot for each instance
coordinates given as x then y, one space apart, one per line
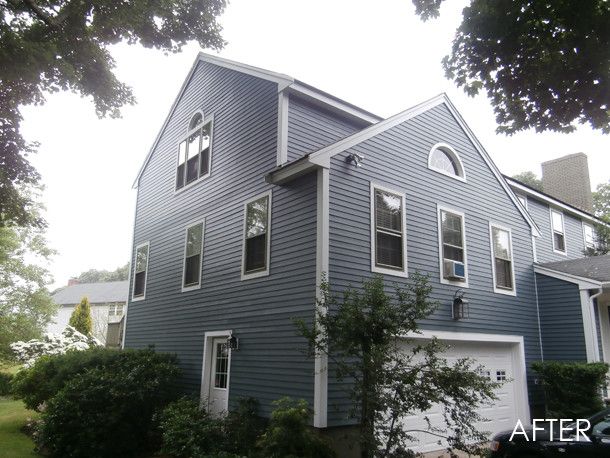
259 184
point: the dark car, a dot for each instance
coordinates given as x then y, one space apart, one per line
593 441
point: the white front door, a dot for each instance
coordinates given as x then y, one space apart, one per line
218 396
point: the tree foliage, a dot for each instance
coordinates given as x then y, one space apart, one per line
81 317
530 179
101 276
543 65
601 209
57 45
601 200
25 304
394 377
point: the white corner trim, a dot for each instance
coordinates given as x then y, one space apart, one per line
563 232
446 148
129 274
439 208
143 296
320 419
282 128
206 366
508 292
588 322
186 230
518 357
259 273
604 327
404 272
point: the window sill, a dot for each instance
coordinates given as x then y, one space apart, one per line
388 271
186 289
192 184
139 298
252 275
460 283
442 172
506 292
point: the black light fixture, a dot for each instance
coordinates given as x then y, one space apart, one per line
355 159
233 342
460 306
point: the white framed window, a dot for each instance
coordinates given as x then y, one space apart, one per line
140 271
452 246
558 232
388 232
257 237
115 309
193 255
502 259
195 152
588 235
444 159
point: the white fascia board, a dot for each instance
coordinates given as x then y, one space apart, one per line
583 283
554 202
344 108
291 171
494 169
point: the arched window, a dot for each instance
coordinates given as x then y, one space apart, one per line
445 160
195 151
196 119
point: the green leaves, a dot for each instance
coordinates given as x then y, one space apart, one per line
81 317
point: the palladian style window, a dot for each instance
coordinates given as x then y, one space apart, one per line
194 152
256 236
502 253
444 159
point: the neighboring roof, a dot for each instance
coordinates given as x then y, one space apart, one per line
283 82
321 158
596 268
97 293
552 200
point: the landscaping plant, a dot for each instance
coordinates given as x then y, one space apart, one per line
363 337
81 317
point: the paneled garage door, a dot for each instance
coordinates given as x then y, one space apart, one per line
499 364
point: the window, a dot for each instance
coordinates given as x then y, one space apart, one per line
256 237
388 232
140 270
452 247
589 236
115 309
221 365
502 259
193 254
559 241
194 152
444 159
501 376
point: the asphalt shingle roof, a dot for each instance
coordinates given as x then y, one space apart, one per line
97 293
594 268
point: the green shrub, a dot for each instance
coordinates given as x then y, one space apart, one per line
288 434
5 383
188 431
243 427
572 390
107 410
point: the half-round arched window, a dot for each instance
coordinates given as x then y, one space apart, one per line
196 120
444 159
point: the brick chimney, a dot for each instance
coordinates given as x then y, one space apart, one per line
567 179
73 281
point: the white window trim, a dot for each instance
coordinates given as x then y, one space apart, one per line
584 234
258 273
443 280
563 231
133 287
386 270
508 292
207 365
186 230
208 120
461 176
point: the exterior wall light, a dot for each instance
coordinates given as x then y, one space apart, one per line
355 159
460 306
233 342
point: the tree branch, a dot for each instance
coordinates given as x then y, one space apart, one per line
40 13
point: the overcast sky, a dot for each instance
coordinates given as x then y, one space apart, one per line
377 55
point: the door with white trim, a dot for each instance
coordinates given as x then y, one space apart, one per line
218 396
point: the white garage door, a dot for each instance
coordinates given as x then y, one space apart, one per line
499 364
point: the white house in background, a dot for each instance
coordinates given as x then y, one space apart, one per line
107 308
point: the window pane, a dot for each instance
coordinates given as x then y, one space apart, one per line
192 268
138 287
559 241
256 217
192 169
256 252
501 243
388 209
182 153
453 253
193 149
195 120
389 250
441 160
451 229
141 256
180 177
205 162
589 236
221 371
504 274
557 222
193 240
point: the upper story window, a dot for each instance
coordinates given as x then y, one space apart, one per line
140 270
388 237
444 159
256 247
452 246
557 227
194 152
193 255
502 259
588 234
